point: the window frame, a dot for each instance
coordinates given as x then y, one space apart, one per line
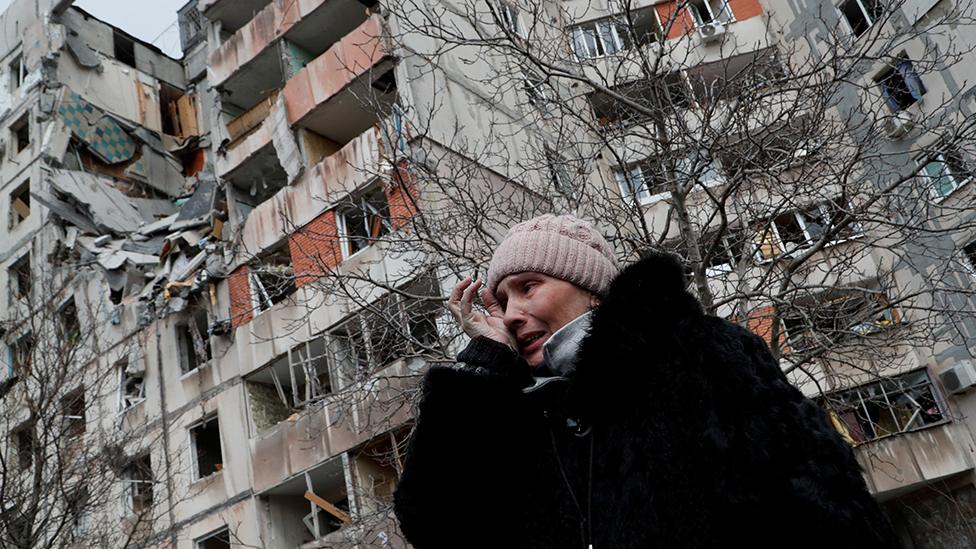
20 192
130 484
804 329
862 414
601 29
869 18
952 167
194 460
854 230
509 17
726 9
127 402
363 206
16 72
911 84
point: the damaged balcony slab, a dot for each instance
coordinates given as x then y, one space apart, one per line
93 203
349 168
339 93
247 64
900 464
325 96
232 14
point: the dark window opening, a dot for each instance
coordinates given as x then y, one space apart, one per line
20 132
207 455
125 49
832 319
216 540
707 11
78 503
132 385
20 204
73 413
25 441
69 327
394 326
193 340
901 86
366 221
138 479
969 251
861 14
273 277
292 381
386 83
23 354
891 406
558 169
16 72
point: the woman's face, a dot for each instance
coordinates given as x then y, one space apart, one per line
536 306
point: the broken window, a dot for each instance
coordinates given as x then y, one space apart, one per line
722 250
216 540
17 72
559 177
20 134
508 16
799 229
193 340
22 354
69 328
78 508
378 465
177 112
125 49
137 482
861 14
708 11
292 381
943 173
535 90
901 86
273 277
25 443
314 504
73 413
611 36
132 385
394 326
20 278
641 180
969 256
20 204
893 405
366 221
833 318
205 448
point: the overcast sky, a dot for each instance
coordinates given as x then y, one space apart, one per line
150 20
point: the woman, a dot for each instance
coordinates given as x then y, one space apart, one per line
600 410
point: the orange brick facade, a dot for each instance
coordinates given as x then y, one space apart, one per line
241 307
315 248
760 322
401 196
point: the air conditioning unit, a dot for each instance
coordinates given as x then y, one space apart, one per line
898 124
960 377
711 31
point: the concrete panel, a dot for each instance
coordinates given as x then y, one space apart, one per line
269 459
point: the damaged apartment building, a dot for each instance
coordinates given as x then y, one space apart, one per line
144 199
179 220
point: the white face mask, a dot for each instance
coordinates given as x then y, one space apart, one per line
561 352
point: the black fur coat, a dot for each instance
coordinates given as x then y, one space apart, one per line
678 430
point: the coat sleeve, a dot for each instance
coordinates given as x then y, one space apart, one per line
462 464
783 459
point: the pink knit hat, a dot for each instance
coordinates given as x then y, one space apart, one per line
561 246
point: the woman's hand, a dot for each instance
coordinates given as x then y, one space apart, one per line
475 323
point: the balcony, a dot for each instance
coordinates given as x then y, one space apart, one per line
248 66
900 464
231 14
326 96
